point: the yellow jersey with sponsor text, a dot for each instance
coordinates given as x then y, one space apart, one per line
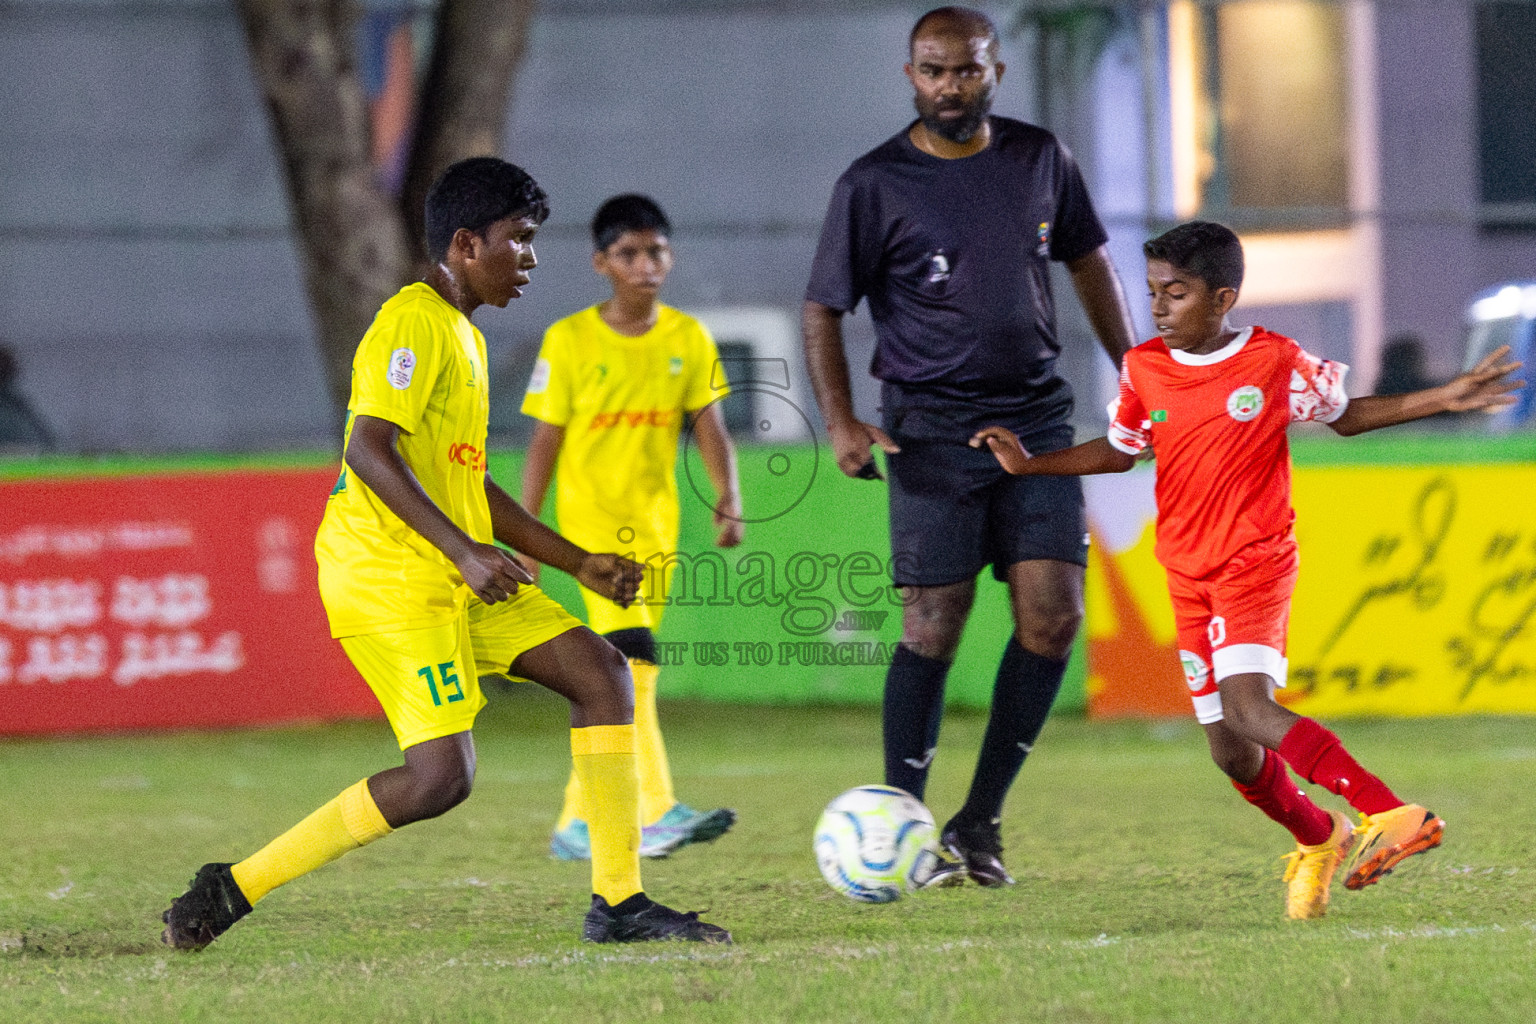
622 401
422 367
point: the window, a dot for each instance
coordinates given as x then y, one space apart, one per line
1506 111
1259 102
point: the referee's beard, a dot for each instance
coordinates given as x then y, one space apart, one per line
956 129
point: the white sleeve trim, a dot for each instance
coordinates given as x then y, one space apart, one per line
1343 404
1321 399
1126 439
1129 447
1333 417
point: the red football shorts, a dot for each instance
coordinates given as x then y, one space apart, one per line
1234 621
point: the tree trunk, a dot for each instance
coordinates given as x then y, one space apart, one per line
479 46
350 239
356 245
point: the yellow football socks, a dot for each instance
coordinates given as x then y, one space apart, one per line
604 756
571 809
351 820
656 795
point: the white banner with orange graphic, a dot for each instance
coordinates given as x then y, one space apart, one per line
1417 594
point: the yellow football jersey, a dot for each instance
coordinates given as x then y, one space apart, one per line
622 401
421 366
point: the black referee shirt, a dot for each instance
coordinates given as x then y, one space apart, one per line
951 255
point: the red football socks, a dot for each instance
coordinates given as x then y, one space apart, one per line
1316 755
1276 795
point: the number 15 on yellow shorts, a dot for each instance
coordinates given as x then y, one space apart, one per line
424 678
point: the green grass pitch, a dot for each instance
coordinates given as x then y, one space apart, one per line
1148 891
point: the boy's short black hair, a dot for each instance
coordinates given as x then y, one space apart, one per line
628 212
1203 248
475 194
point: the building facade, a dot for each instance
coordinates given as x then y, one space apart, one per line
1376 155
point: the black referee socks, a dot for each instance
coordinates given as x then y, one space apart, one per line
914 709
1021 699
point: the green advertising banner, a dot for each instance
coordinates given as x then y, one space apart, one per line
803 610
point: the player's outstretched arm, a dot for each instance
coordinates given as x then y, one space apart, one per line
821 328
538 469
1485 387
372 456
615 577
720 462
1086 459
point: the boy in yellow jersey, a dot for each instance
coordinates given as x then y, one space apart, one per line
421 597
612 388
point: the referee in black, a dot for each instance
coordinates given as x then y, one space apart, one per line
946 230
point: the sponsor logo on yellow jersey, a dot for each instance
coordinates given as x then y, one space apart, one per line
633 418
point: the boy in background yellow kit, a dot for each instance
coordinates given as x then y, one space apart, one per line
613 387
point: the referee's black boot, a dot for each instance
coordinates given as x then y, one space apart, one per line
641 919
980 848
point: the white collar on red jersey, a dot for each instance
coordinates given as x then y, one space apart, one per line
1226 351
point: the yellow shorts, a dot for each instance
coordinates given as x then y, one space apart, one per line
659 555
424 678
605 617
502 631
428 679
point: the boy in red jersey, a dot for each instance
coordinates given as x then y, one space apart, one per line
1214 403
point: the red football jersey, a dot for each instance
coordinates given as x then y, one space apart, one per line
1218 424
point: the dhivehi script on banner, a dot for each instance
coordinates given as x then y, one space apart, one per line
167 601
1417 594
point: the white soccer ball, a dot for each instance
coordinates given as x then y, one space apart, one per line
875 842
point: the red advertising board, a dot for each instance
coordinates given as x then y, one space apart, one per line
184 600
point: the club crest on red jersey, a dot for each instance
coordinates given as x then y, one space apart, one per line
1245 403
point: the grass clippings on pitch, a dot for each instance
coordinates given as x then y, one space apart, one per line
1148 891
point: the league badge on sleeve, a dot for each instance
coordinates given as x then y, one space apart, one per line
539 382
402 367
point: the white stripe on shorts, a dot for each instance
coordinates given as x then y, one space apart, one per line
1240 659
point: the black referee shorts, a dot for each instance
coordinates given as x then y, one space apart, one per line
954 510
